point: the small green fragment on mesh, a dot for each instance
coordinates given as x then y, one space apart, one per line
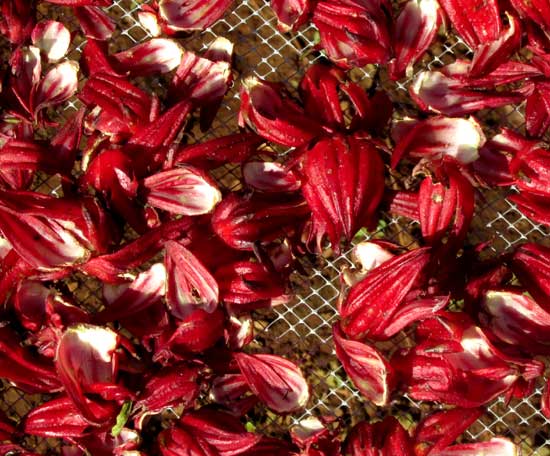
361 235
335 381
456 305
316 37
122 418
405 419
250 426
382 225
364 234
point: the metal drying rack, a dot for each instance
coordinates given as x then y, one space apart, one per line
301 330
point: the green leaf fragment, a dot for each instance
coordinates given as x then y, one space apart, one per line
122 418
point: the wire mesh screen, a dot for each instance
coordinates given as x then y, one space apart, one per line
301 330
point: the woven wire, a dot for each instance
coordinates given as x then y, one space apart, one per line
302 330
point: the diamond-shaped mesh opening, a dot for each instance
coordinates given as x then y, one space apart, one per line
301 330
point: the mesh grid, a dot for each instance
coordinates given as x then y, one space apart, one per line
302 329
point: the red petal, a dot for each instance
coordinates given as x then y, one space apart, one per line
537 110
228 388
360 441
107 444
173 441
369 371
512 142
26 69
437 206
353 33
291 14
443 208
189 15
414 31
95 61
57 86
204 78
373 113
246 284
147 289
158 55
384 438
489 55
111 173
314 437
371 304
536 37
531 169
66 142
239 332
190 285
536 10
52 38
415 310
117 97
19 155
440 429
323 88
113 267
232 392
95 345
41 232
535 207
269 177
493 167
29 302
404 204
476 21
270 447
171 387
81 2
545 400
37 305
212 251
344 183
435 92
276 381
57 418
274 116
149 20
319 90
531 264
16 20
210 154
455 363
497 446
149 324
197 332
506 73
185 191
221 431
243 222
162 131
517 320
95 23
438 137
20 366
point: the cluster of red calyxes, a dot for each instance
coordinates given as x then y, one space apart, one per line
183 262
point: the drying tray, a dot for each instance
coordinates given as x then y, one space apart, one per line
301 330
